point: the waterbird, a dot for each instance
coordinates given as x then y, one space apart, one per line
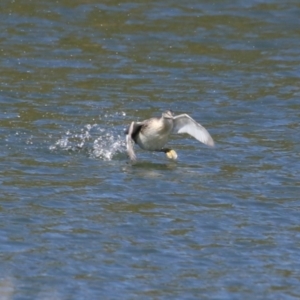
152 134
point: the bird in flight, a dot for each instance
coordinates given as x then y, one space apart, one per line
152 134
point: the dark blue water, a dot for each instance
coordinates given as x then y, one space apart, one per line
78 221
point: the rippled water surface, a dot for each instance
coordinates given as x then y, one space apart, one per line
80 222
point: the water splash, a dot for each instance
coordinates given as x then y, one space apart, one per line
107 146
98 142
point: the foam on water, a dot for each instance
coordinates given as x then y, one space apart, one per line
97 141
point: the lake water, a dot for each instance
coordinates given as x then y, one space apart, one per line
80 222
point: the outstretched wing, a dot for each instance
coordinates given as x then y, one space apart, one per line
129 142
185 124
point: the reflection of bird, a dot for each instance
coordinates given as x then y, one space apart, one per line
153 134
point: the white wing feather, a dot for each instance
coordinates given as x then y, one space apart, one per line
129 145
185 124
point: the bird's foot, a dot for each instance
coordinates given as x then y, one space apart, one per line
171 154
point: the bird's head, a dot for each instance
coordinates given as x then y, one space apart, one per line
168 114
